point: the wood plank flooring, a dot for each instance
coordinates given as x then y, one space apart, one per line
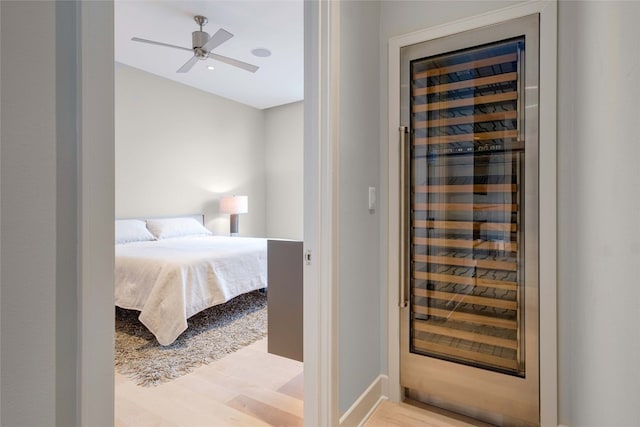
415 414
247 388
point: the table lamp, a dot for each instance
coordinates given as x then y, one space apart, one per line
234 205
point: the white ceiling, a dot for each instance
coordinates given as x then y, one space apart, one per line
275 25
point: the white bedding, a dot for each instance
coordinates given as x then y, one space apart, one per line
170 280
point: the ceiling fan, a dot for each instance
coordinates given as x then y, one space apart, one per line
203 44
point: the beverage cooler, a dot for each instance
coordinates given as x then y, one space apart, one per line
469 217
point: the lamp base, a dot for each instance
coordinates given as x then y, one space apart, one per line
233 225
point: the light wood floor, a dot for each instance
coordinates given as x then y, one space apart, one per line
247 388
414 414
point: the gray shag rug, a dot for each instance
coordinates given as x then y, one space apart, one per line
212 334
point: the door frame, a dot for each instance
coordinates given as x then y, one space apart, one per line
547 9
321 108
96 183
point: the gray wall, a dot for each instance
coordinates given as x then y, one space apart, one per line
399 17
179 149
56 199
363 128
598 197
360 330
38 178
599 213
283 135
599 203
28 188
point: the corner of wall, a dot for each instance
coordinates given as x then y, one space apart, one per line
368 401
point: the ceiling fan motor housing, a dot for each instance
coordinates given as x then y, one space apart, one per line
199 38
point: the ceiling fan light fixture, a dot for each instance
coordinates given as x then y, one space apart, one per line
261 52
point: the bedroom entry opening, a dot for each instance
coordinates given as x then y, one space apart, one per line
469 223
208 325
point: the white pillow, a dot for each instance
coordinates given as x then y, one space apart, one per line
175 227
132 230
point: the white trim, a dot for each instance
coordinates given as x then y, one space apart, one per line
96 183
385 386
547 188
320 212
364 406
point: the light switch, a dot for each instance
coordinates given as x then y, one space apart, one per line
372 198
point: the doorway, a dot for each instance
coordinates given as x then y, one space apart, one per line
238 149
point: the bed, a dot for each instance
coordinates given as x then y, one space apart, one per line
170 269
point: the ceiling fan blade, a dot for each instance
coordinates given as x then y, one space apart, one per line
188 65
234 62
137 39
217 39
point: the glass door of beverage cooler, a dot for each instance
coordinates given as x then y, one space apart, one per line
470 294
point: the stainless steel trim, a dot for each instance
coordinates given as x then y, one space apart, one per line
466 389
404 225
520 114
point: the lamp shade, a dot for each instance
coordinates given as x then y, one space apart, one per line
234 204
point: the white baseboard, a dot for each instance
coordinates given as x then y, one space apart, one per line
368 401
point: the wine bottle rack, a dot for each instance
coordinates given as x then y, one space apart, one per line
466 205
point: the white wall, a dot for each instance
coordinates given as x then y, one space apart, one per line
360 329
283 134
179 149
599 213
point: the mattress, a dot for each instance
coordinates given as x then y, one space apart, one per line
170 280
